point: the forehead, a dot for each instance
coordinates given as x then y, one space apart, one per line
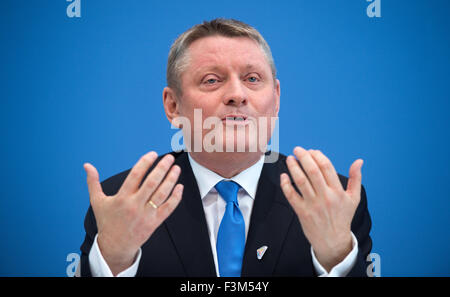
220 51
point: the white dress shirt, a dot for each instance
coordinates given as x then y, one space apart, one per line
214 206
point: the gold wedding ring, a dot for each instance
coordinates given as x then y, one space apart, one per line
153 204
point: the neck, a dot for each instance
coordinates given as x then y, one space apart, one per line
224 164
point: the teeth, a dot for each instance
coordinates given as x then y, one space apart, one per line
235 118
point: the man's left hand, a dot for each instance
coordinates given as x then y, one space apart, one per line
324 208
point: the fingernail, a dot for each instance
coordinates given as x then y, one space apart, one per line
298 149
176 169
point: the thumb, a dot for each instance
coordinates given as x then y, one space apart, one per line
94 187
355 177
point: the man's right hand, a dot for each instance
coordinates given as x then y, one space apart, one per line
126 220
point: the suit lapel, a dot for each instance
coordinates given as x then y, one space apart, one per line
270 221
187 226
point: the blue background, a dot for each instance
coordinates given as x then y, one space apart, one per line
88 89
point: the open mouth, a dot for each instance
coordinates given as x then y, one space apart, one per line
235 119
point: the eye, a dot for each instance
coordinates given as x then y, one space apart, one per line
211 81
253 78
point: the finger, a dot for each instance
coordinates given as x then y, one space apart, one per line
312 170
299 178
354 181
165 209
327 168
293 197
93 182
154 179
166 187
134 178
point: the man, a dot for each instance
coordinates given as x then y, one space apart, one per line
226 212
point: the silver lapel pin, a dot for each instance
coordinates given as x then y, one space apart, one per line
260 252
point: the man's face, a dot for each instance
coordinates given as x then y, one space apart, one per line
231 79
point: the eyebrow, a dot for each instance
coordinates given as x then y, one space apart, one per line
251 66
247 67
208 68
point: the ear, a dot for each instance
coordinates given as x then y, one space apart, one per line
277 95
171 104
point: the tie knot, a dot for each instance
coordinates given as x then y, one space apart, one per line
228 190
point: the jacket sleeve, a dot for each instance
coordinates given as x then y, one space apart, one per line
90 227
361 226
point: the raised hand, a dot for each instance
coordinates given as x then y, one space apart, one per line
126 220
324 208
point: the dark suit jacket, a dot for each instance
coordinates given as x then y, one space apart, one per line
181 245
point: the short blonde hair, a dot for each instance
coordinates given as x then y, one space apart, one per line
178 58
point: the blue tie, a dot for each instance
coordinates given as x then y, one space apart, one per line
231 236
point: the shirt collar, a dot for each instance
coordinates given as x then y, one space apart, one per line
207 179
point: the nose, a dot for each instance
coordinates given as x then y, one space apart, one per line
235 93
